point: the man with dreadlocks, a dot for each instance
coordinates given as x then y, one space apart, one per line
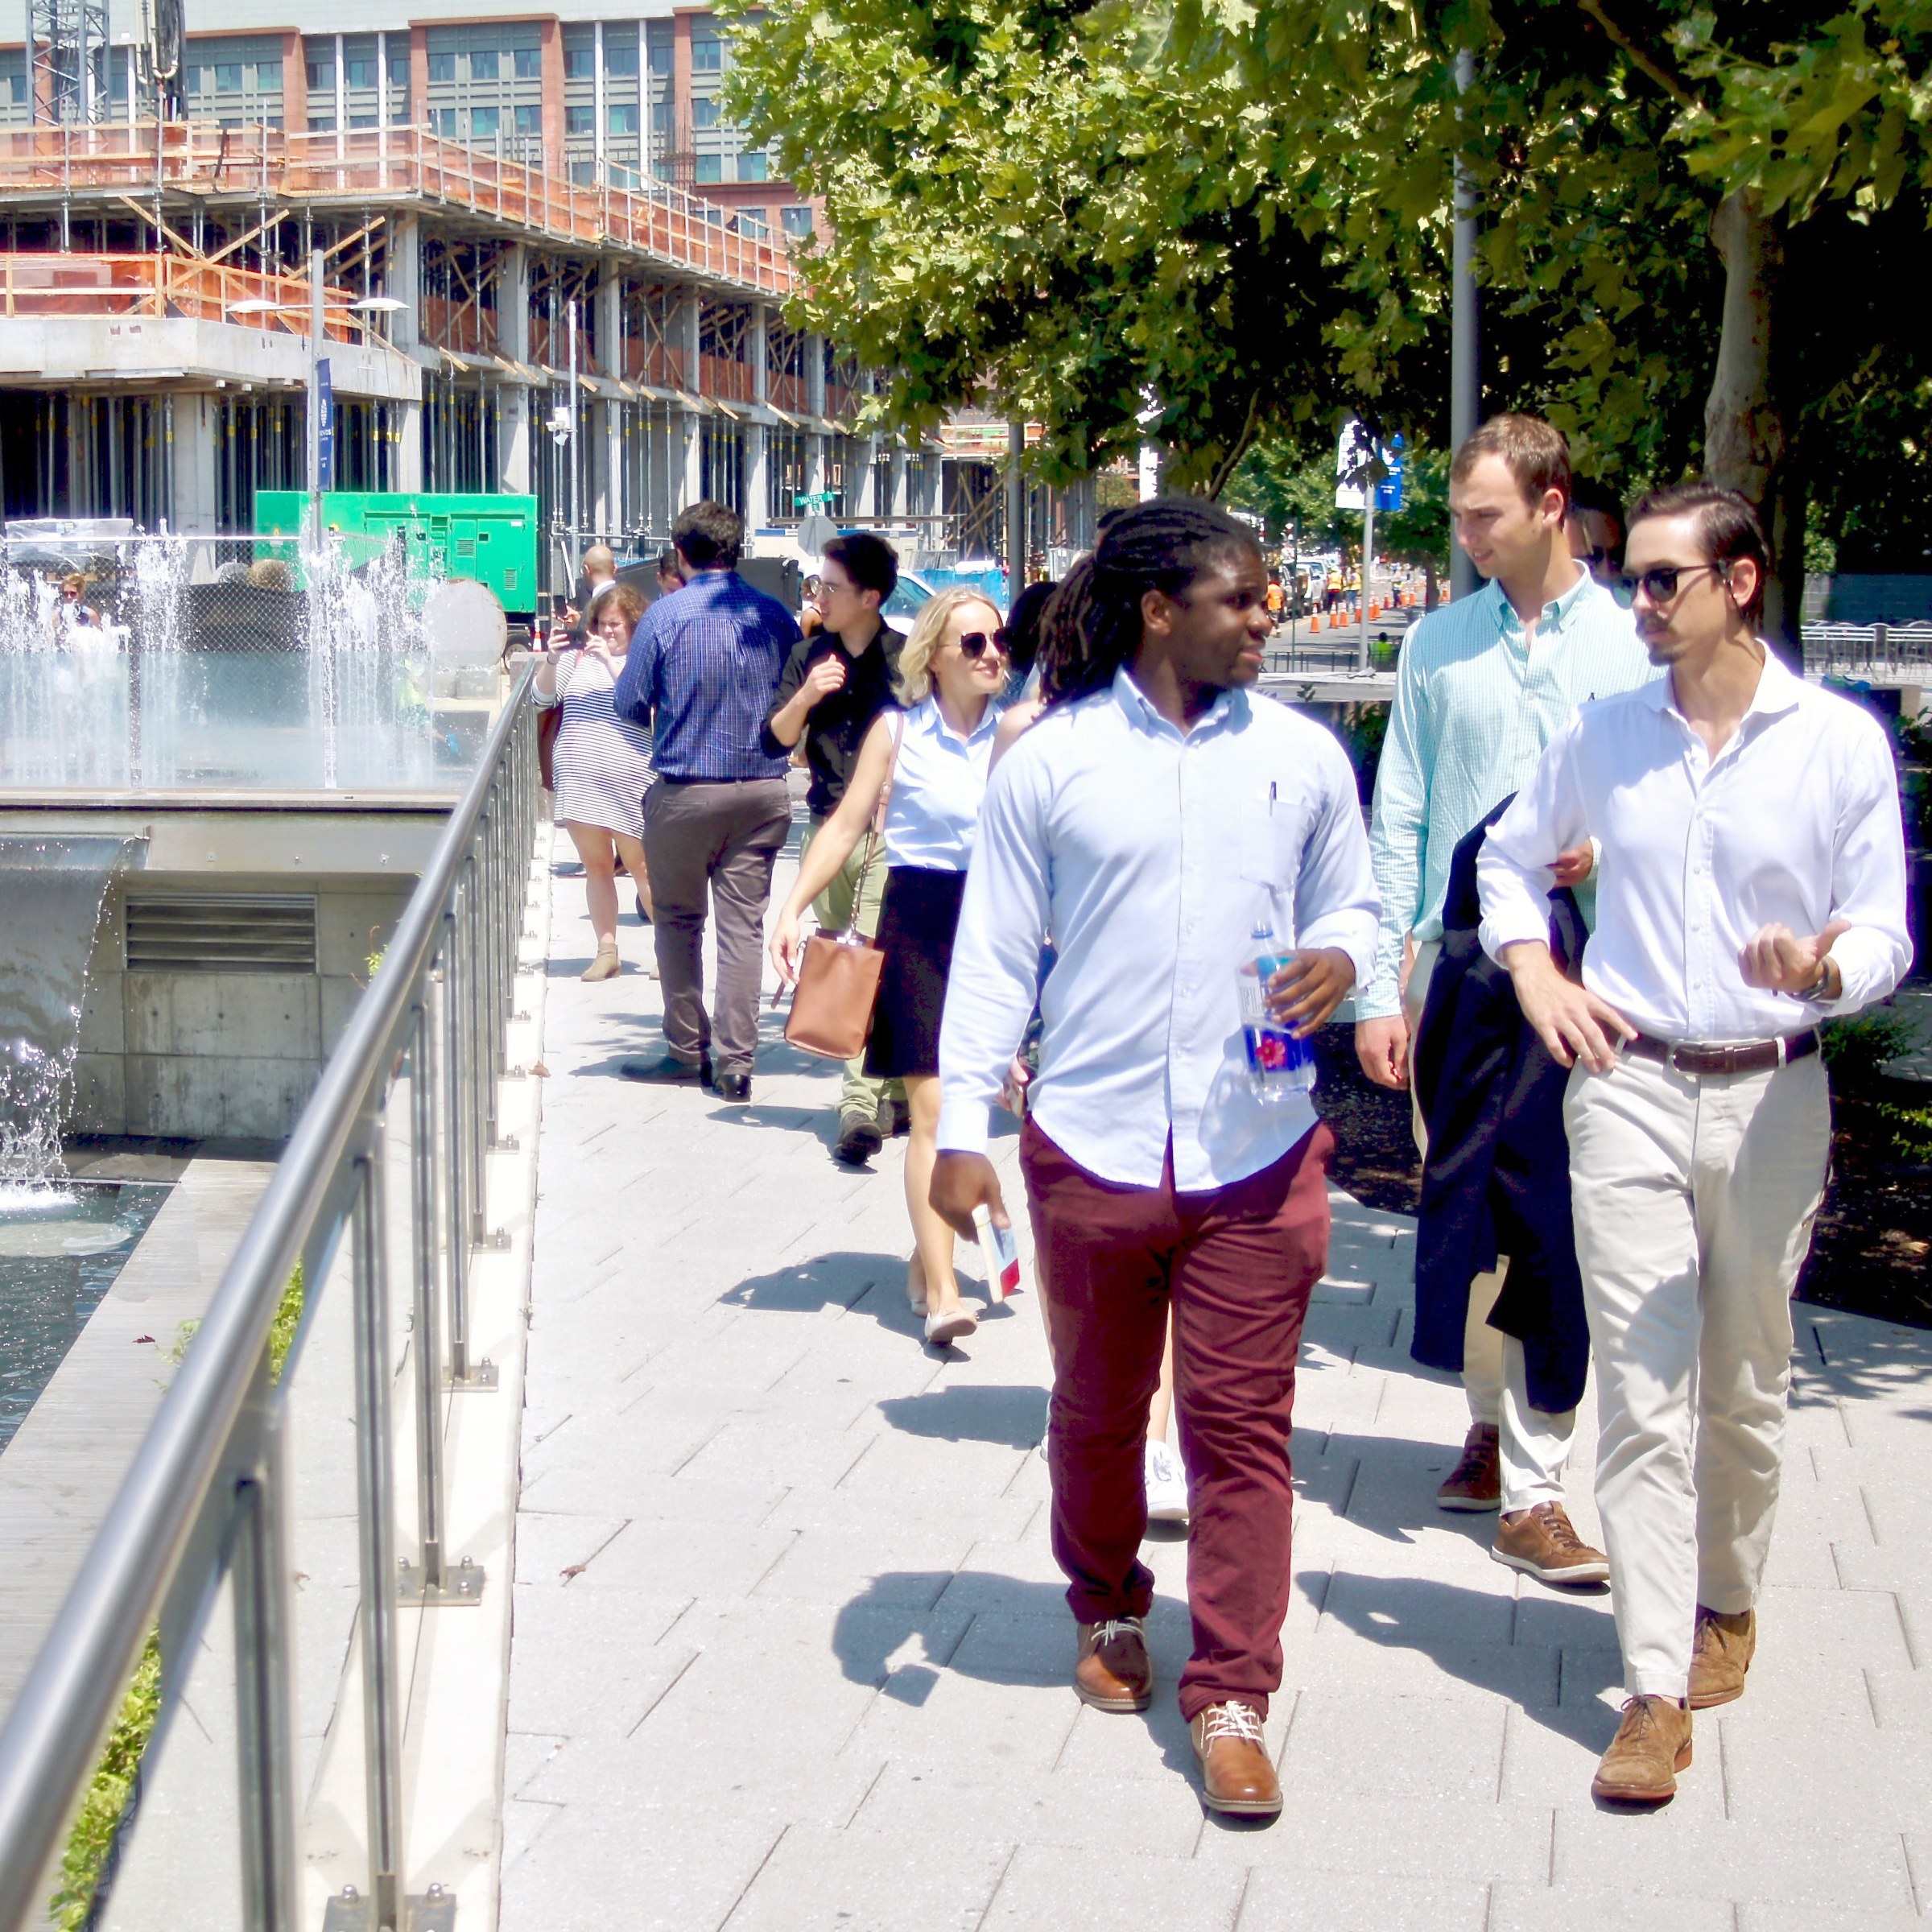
1154 817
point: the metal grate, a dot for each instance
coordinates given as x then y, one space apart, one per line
222 932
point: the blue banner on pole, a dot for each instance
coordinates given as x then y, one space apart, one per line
325 412
1389 491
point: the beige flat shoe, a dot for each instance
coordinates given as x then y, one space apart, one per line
606 966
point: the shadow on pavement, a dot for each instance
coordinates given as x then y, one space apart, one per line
1014 1416
1557 1680
841 1280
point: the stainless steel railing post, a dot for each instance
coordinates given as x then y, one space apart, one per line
428 1306
375 1494
265 1702
482 1124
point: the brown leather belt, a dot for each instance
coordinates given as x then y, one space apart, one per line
1748 1056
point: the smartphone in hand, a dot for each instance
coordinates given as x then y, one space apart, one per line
1001 1246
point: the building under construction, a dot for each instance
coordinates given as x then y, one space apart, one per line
552 266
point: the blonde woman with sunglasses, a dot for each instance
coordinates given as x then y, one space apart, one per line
930 760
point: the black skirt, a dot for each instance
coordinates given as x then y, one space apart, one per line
918 917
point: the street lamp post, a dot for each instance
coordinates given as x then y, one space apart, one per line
1465 364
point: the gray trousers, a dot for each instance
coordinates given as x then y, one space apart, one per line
723 838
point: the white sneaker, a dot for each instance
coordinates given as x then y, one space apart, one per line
1166 1483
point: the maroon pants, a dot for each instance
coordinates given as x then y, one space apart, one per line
1237 1264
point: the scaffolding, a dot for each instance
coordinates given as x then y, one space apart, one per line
69 38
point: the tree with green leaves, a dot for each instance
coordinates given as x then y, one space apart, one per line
1211 219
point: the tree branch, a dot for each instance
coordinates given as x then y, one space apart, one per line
1224 470
1645 64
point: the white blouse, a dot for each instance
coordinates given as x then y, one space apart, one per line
937 790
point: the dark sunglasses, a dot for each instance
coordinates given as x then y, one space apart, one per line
1660 585
976 643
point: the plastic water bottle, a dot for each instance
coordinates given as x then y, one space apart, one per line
1279 1065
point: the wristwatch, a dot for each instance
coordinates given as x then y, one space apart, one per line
1820 987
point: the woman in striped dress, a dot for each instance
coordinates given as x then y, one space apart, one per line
603 766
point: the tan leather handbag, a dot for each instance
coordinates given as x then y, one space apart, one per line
839 972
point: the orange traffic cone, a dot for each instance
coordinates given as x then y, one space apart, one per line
1375 610
1314 622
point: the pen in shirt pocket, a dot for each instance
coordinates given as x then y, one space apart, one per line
1271 792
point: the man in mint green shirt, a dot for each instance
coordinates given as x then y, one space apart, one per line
1483 687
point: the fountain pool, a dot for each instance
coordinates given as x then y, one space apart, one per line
59 1252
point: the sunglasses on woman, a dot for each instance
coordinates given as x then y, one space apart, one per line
977 643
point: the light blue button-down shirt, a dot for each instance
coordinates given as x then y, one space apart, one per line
1477 700
1149 854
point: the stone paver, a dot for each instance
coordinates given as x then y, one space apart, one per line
790 1651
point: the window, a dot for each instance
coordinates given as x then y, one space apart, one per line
528 63
579 54
623 117
399 72
237 79
754 221
445 118
708 167
484 123
356 120
580 120
707 54
797 221
752 167
321 77
530 121
660 119
704 114
661 58
359 73
483 63
442 68
321 124
619 55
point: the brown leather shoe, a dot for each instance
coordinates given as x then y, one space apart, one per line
1720 1654
1476 1481
1112 1671
1542 1542
1237 1776
1652 1744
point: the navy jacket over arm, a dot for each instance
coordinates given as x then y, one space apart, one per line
1497 1180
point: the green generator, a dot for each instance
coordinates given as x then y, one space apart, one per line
492 539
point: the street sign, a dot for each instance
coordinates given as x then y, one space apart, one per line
325 420
815 533
813 499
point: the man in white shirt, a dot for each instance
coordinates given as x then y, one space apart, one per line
1483 686
1752 881
1152 821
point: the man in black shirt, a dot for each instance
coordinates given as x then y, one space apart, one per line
836 682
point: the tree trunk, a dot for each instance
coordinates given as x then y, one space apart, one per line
1744 438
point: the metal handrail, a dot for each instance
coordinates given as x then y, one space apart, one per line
214 1419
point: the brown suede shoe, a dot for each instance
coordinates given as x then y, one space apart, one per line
1237 1776
1720 1654
1112 1671
1541 1542
1652 1744
1476 1481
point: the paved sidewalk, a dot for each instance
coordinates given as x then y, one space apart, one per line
790 1652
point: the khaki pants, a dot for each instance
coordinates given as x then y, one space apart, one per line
862 1093
1534 1445
1693 1201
